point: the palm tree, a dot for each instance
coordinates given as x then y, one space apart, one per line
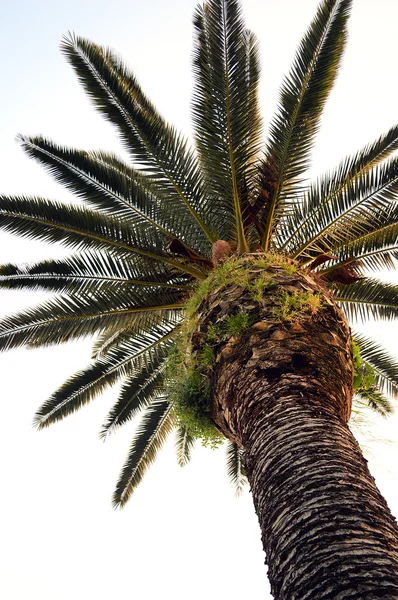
218 283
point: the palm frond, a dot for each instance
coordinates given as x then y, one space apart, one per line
90 272
225 107
374 399
368 299
372 251
82 229
107 340
184 444
152 143
333 184
302 99
134 356
142 324
152 432
236 467
360 208
137 392
63 319
384 365
104 182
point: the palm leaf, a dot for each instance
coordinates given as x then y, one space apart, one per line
35 218
107 340
374 399
142 324
235 467
350 169
152 432
137 392
106 183
63 319
225 106
384 365
89 272
375 250
302 99
360 208
184 444
367 299
137 355
153 144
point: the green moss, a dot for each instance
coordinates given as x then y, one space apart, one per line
273 259
191 398
289 305
240 271
233 325
290 268
229 269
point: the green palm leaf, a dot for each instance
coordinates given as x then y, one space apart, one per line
152 432
302 99
137 392
375 250
136 355
225 106
153 144
90 272
184 444
35 218
142 324
63 319
235 467
367 299
330 186
385 367
361 207
107 340
374 399
106 183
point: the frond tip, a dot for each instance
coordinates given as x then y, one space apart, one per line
184 444
376 400
302 100
152 432
385 367
236 467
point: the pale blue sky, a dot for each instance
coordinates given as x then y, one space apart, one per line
183 535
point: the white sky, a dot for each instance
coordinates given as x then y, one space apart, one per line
183 534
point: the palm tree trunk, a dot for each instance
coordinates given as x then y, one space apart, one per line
283 390
327 531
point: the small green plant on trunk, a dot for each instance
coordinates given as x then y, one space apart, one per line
364 374
289 306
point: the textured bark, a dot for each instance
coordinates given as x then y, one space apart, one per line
283 391
327 531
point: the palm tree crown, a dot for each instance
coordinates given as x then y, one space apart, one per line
148 232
